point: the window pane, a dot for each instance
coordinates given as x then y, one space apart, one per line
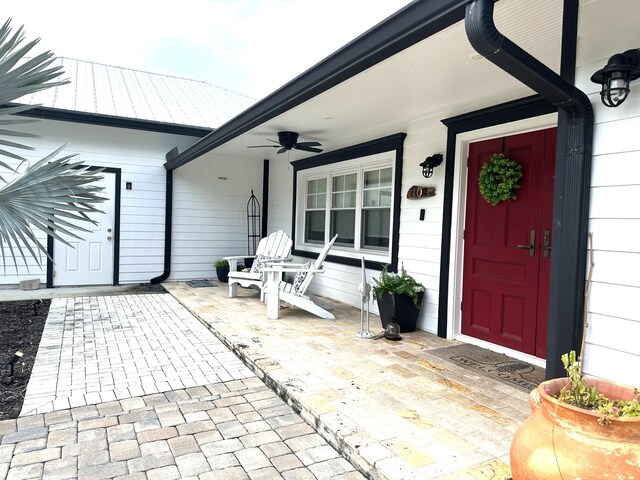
371 179
375 227
338 200
350 200
314 226
338 183
316 198
351 181
385 177
371 198
385 197
378 188
343 223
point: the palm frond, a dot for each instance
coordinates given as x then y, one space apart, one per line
53 195
41 198
19 78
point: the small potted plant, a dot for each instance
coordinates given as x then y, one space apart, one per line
222 269
399 298
580 428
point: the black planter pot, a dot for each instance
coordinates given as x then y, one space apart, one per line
223 274
401 308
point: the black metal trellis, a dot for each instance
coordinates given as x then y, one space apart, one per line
253 224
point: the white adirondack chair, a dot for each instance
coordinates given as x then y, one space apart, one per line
276 247
294 294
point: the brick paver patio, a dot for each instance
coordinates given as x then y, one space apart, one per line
393 409
134 387
232 430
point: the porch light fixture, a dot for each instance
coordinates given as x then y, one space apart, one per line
616 75
430 163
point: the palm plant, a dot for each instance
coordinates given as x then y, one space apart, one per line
54 195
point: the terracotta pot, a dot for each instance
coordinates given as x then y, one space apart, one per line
560 441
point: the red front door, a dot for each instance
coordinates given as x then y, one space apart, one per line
505 282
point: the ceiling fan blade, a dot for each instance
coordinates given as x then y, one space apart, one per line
309 144
307 149
263 146
282 150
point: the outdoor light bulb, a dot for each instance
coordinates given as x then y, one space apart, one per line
618 89
615 76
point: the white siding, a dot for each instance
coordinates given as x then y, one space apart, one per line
419 246
614 318
141 156
210 198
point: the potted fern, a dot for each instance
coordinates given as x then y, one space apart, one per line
399 297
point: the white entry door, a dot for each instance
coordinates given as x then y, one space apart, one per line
90 261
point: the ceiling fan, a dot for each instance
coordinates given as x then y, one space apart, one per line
289 140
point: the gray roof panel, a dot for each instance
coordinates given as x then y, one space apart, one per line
135 94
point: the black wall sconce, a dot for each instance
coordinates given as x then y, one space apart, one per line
616 75
430 163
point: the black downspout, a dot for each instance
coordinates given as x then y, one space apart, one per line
572 177
265 197
168 214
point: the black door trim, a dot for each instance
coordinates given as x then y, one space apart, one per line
116 230
521 109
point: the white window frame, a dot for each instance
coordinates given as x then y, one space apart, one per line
358 165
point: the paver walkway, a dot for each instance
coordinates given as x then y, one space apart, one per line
99 353
97 349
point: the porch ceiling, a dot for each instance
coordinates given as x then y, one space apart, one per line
440 77
437 78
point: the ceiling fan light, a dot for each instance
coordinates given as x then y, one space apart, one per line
289 140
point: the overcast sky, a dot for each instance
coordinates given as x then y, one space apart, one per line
251 46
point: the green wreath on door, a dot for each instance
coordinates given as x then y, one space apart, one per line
499 179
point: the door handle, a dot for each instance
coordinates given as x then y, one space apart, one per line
109 238
532 243
546 241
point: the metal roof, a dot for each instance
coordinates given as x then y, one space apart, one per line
122 92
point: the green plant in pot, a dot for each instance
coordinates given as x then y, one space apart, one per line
581 427
222 269
399 297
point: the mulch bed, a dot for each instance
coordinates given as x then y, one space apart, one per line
20 330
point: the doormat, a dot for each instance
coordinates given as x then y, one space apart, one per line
494 365
201 283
